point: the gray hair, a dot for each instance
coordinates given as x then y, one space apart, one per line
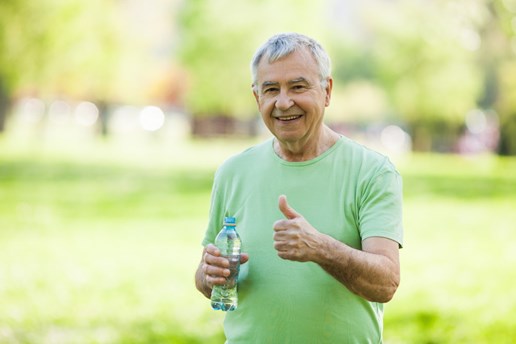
284 44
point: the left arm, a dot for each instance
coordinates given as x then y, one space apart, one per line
372 273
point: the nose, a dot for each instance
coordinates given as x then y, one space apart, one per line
283 101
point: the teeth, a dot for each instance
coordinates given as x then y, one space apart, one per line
289 118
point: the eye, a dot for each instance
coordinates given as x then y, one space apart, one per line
299 88
270 90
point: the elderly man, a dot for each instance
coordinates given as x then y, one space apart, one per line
319 265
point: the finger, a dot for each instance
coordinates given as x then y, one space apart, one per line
212 257
213 250
212 281
215 271
244 257
283 250
280 245
281 236
286 209
281 225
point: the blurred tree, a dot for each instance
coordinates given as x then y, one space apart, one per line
498 57
55 47
424 58
357 96
4 104
214 42
216 36
438 60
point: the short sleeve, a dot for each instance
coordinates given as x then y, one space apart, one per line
215 214
380 209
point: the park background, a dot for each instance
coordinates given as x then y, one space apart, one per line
115 114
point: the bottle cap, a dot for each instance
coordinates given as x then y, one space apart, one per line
229 220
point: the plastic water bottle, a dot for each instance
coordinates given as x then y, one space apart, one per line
225 297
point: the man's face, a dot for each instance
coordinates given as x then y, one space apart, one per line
290 97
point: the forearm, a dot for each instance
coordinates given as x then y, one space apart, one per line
373 276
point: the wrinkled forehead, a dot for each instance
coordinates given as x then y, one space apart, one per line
298 65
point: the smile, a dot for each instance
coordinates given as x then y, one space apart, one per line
288 118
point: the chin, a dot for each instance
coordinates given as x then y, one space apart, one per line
288 138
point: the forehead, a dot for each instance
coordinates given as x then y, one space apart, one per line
299 64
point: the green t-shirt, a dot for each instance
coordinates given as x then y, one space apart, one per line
350 193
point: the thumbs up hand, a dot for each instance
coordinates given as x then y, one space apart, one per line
295 238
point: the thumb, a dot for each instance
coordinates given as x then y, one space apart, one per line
287 210
244 257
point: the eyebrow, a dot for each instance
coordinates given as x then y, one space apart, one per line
298 80
269 83
290 82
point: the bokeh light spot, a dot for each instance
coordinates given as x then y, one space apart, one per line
86 114
152 118
59 112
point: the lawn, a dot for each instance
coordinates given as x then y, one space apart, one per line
99 242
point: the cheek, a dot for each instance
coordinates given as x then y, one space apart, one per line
265 106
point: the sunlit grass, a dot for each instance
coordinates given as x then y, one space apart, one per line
99 243
458 260
100 247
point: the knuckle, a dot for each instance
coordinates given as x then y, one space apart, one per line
208 256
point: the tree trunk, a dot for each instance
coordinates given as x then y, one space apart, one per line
508 137
103 108
5 103
434 136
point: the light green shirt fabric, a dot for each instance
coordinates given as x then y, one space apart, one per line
350 193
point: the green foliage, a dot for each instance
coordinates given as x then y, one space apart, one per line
423 62
214 55
51 46
99 244
218 39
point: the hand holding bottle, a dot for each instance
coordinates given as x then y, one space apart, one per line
225 296
216 268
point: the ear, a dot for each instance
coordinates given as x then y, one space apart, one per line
328 89
256 96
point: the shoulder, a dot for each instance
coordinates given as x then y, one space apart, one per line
364 167
246 159
367 160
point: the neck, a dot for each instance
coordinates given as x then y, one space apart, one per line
306 150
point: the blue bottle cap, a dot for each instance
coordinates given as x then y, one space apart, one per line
229 220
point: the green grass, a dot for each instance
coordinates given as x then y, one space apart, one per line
458 260
99 243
